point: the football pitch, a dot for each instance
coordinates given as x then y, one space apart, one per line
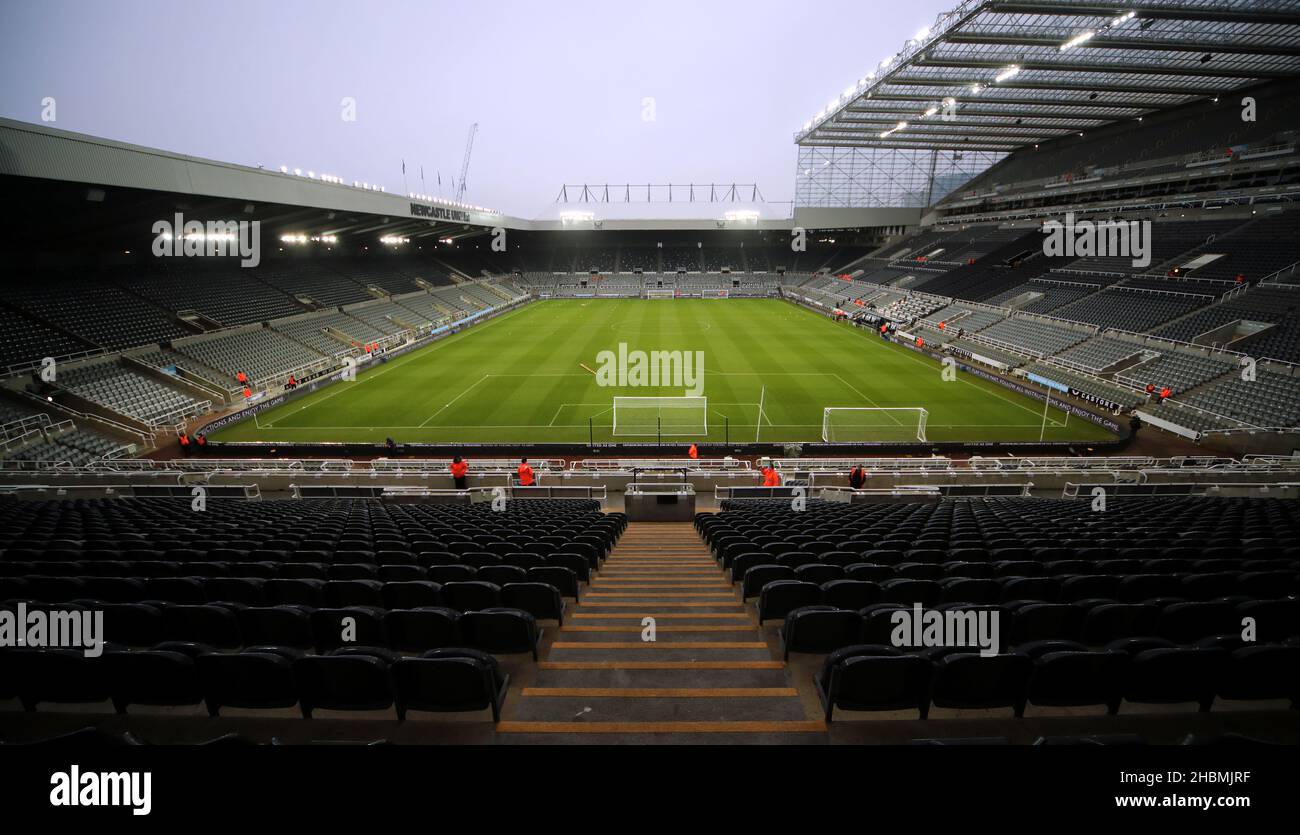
770 370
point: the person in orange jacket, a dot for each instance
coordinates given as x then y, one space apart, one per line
459 471
771 478
693 452
525 474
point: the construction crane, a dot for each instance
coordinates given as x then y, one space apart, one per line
464 168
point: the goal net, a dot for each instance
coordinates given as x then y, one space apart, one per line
649 416
661 294
874 425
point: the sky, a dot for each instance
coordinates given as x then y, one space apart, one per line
563 92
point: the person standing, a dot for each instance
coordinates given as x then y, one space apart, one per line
526 478
858 477
694 452
459 472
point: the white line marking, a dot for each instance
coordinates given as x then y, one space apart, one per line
459 396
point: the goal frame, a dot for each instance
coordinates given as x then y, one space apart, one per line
661 293
919 413
700 430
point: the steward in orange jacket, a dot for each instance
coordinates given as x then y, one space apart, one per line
693 452
459 470
525 474
771 478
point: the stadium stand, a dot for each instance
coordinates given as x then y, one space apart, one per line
96 311
312 280
1046 294
226 295
1176 370
1268 304
1034 336
1271 400
1131 310
130 393
260 353
24 340
1101 353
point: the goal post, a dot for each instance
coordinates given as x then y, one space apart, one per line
649 416
875 425
661 294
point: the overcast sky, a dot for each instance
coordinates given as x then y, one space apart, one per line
564 92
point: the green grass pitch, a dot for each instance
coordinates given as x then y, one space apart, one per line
519 379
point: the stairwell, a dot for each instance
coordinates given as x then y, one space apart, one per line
708 670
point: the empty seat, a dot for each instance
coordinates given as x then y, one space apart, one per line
873 677
1175 674
820 629
501 630
540 600
779 598
153 677
969 680
261 678
343 682
423 629
446 680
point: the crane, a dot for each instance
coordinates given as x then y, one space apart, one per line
464 168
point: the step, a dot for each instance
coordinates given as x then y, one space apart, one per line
658 645
661 727
594 709
658 678
684 651
660 665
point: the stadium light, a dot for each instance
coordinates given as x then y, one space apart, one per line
931 111
745 216
893 130
394 240
1081 38
1008 73
976 89
284 169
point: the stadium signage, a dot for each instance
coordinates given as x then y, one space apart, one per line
1101 239
1109 405
438 213
974 357
1077 411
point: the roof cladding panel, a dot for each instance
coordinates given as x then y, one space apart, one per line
1006 74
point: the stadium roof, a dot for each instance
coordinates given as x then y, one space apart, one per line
998 75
